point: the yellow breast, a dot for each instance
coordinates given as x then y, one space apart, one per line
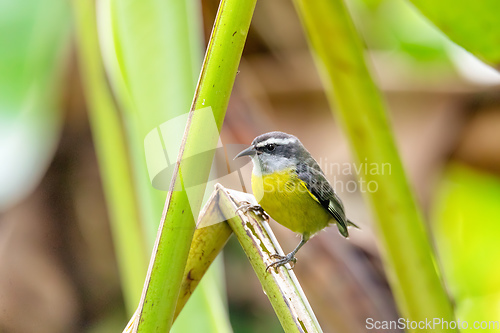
286 198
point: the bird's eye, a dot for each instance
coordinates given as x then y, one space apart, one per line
270 147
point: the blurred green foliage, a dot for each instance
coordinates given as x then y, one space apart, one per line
471 24
35 33
33 49
153 81
398 25
467 232
393 25
113 156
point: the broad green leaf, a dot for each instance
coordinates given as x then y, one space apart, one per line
471 24
395 25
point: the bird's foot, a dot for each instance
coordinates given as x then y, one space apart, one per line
256 208
282 260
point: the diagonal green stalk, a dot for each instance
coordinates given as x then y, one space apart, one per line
161 289
410 262
109 140
257 240
153 52
216 223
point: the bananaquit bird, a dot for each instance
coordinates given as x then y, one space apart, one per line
291 187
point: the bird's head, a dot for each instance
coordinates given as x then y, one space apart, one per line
274 151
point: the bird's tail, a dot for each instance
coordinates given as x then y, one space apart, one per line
352 224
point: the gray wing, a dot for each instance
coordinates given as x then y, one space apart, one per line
310 172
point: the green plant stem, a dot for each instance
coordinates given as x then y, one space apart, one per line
111 151
358 104
159 298
153 52
211 234
258 242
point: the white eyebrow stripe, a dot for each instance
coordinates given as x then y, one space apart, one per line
276 141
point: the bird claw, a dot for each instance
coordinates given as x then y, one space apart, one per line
282 260
256 208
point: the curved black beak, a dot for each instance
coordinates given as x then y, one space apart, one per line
250 151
